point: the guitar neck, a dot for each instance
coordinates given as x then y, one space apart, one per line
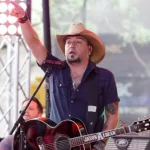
77 141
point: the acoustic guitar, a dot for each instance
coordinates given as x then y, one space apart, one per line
43 134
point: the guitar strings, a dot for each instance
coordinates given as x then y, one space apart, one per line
58 144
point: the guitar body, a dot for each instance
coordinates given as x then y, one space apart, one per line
43 134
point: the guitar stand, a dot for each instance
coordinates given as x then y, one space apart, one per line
20 119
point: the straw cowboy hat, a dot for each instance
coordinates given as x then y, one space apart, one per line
98 52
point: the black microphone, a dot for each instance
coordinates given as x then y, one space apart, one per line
55 64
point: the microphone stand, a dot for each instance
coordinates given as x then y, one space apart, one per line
20 120
47 97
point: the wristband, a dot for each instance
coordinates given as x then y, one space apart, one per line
100 145
23 19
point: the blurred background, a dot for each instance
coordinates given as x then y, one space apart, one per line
124 27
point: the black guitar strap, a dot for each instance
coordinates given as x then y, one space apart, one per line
95 97
92 101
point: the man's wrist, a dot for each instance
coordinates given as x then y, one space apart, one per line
99 145
23 19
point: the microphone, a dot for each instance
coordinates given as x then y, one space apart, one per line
55 64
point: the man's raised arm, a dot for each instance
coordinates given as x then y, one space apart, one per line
29 34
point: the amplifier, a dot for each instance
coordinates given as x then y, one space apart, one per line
129 142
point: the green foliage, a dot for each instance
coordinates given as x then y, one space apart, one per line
64 13
142 35
101 16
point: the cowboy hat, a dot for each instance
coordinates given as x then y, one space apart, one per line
98 52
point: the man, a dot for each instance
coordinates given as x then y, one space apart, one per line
34 110
78 88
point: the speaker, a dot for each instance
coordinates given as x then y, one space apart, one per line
129 142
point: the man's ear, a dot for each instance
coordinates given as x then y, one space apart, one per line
90 49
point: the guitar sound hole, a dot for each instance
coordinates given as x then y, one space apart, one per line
62 143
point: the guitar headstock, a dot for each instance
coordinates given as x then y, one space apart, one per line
140 126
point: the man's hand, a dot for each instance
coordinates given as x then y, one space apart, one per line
96 149
17 10
99 145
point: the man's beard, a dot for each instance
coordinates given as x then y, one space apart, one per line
74 61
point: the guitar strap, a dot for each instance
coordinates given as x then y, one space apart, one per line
95 97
